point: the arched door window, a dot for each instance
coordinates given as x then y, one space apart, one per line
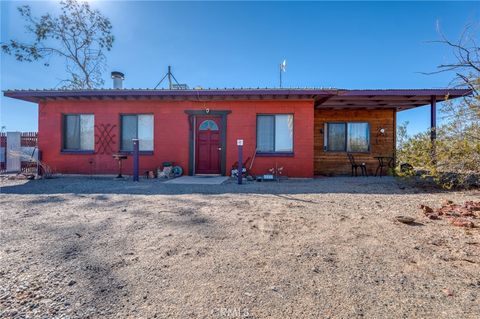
208 125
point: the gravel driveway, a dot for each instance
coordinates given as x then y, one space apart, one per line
323 248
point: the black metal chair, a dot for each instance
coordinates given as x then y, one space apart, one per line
355 166
383 161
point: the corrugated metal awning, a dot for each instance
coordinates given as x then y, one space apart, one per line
399 99
395 98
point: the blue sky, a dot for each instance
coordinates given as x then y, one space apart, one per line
227 44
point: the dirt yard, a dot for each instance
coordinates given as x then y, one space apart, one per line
324 248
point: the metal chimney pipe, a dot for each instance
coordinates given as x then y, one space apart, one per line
118 78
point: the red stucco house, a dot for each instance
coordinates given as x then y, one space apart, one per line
307 131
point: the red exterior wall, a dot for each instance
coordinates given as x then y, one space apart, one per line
171 133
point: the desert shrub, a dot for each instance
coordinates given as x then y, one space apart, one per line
456 160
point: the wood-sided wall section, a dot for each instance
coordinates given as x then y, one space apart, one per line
337 163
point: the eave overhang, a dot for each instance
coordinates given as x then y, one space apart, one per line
399 99
204 94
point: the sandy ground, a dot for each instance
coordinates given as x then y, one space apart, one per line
325 248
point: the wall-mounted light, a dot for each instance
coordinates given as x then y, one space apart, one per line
381 132
207 110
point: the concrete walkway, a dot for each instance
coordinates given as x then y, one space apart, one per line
198 180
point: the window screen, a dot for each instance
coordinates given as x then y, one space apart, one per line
266 133
347 137
275 133
137 126
145 132
336 136
358 137
78 132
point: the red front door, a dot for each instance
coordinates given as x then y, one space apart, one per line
208 148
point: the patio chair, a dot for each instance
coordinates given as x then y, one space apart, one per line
383 161
355 166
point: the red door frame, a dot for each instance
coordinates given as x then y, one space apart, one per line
208 146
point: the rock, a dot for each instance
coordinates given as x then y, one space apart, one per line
329 259
405 219
461 222
447 202
433 216
72 282
448 292
426 209
471 205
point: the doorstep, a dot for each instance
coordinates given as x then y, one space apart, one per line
198 180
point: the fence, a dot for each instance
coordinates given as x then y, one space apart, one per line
28 139
18 152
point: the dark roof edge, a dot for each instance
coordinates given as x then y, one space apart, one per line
36 95
395 92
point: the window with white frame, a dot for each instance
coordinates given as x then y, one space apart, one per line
137 126
78 132
347 137
275 133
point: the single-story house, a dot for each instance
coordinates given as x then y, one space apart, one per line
306 131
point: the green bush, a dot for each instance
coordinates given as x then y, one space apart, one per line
456 151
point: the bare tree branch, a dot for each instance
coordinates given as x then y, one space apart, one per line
466 52
79 35
458 138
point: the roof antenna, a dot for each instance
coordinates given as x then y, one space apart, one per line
172 86
283 68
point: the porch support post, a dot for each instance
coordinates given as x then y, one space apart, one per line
433 126
135 159
240 162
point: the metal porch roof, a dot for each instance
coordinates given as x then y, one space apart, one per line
400 99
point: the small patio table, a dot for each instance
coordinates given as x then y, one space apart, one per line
383 161
119 157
